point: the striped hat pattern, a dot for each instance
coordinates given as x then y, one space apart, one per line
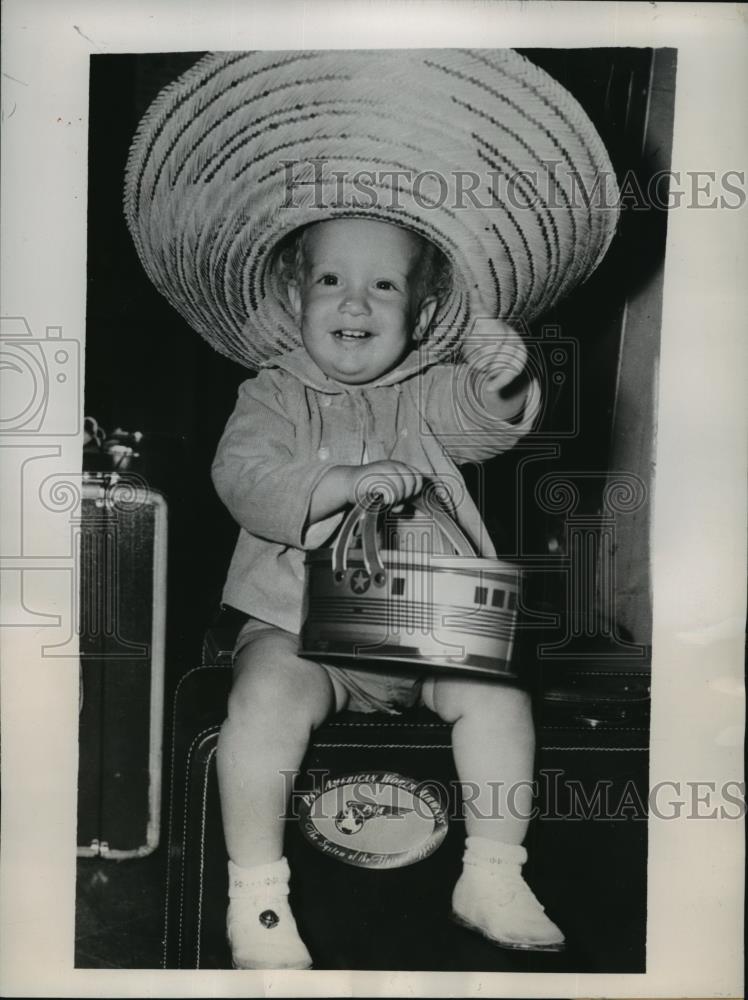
479 151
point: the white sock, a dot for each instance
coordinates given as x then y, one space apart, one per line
261 927
481 851
492 897
260 880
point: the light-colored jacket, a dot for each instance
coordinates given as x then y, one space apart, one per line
292 423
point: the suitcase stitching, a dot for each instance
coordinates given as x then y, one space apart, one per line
190 751
629 729
383 746
381 725
190 754
171 819
210 729
610 673
206 779
607 749
320 745
206 776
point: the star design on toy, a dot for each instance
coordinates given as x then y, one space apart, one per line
360 582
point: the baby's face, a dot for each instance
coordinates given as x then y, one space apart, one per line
356 301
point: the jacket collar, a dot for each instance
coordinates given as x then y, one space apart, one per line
298 363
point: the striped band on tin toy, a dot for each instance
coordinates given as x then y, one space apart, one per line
479 151
425 599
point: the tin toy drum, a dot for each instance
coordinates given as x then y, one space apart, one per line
423 598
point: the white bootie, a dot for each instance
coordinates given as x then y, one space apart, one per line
260 925
491 897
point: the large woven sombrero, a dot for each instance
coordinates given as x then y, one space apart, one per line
480 151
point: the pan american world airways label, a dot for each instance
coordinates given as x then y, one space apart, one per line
375 819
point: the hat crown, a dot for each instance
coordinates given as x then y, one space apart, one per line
479 151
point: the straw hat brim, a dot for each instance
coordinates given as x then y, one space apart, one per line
479 151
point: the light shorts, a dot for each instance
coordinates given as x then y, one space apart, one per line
367 690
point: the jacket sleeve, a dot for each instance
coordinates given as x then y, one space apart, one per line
257 472
453 413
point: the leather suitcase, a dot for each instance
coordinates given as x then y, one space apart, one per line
350 743
122 635
590 875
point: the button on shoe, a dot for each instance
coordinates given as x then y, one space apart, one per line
260 926
269 918
263 935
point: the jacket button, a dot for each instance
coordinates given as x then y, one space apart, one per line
324 453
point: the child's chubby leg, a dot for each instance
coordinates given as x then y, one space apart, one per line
493 742
276 701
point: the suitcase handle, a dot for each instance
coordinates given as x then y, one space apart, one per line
364 519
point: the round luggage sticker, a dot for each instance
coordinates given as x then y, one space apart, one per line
374 820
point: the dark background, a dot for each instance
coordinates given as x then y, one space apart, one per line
147 371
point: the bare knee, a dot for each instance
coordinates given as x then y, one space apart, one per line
505 706
272 689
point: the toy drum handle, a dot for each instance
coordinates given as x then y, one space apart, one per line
367 516
448 527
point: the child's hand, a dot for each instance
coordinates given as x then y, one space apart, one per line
491 342
496 356
344 484
393 481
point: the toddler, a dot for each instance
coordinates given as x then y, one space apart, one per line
349 156
355 405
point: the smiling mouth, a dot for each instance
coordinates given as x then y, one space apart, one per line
351 334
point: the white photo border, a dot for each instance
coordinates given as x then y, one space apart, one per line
696 867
